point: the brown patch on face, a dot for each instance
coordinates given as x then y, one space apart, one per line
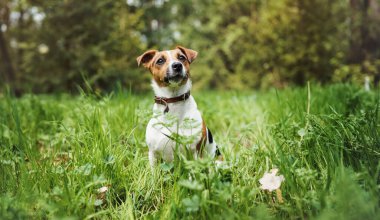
159 68
181 57
190 54
158 63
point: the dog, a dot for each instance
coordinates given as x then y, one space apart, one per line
171 84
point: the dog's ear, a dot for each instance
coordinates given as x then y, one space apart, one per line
190 54
146 57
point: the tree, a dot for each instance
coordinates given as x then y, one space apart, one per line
364 37
60 45
6 65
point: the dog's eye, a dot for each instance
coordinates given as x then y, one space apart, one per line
181 57
160 61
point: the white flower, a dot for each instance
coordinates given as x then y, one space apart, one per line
103 189
270 181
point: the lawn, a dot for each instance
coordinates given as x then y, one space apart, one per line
58 151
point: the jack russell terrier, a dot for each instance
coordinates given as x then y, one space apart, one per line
171 84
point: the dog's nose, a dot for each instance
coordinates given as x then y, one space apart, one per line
177 66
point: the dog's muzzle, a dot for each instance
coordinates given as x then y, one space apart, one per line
175 73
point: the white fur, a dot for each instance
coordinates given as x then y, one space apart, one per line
171 60
160 146
169 92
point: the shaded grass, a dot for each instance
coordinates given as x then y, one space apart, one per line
56 151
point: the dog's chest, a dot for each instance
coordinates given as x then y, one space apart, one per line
183 121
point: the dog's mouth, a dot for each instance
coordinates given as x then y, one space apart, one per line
170 79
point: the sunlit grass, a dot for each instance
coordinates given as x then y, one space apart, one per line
57 151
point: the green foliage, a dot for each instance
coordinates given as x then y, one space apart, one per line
96 42
340 205
241 44
90 44
57 151
269 43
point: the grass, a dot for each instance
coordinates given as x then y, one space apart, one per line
57 151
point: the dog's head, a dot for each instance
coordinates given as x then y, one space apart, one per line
170 68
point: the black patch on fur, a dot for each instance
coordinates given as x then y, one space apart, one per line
217 152
210 139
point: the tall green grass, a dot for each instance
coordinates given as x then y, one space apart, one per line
56 151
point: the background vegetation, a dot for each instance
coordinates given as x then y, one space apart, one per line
50 46
57 151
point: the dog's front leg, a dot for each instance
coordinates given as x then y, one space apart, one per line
152 158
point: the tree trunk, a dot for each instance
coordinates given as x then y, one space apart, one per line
9 75
355 55
364 32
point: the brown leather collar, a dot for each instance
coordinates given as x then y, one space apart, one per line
166 101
